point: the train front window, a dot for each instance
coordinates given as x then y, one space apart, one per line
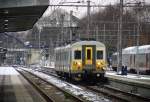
77 54
99 54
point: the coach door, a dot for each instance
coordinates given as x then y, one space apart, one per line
88 55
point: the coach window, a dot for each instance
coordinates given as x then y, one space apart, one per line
77 54
99 54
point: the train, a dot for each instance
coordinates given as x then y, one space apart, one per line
135 58
81 60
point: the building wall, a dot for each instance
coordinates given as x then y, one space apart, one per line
33 56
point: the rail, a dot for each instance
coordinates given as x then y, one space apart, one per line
41 89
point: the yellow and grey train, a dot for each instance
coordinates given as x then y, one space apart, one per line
79 60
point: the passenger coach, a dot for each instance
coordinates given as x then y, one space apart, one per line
134 60
83 59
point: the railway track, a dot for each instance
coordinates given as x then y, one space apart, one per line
83 95
113 92
118 94
48 91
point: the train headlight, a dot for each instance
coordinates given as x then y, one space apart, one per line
79 64
98 63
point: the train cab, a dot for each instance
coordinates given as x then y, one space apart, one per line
86 59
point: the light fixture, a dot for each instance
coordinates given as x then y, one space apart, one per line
6 20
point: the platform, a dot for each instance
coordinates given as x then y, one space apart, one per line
14 88
134 78
139 84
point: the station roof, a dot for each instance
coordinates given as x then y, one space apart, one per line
20 15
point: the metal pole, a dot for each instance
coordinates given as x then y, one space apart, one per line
88 15
62 29
137 42
104 34
134 35
97 37
120 38
71 12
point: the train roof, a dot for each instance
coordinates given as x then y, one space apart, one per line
130 50
144 49
81 43
63 47
88 43
133 50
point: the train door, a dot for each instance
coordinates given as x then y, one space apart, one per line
88 53
88 56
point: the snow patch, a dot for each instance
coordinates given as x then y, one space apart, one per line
8 71
89 96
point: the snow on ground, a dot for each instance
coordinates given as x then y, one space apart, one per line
89 96
130 76
8 71
50 64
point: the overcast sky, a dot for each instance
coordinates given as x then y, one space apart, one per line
81 11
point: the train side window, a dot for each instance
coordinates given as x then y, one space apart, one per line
77 54
99 54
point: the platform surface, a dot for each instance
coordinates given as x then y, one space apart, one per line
14 88
139 79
